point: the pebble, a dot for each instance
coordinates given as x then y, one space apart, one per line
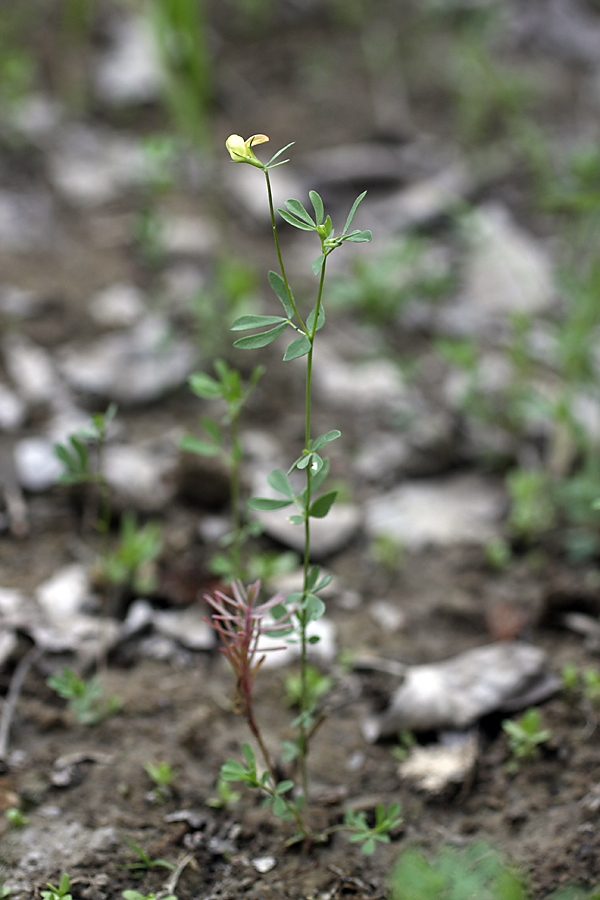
119 305
187 626
435 767
31 370
36 464
438 511
328 535
142 475
455 693
133 367
13 411
129 71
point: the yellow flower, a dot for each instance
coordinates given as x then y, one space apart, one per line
241 150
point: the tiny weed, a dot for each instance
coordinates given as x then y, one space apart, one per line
406 741
85 699
16 818
367 836
144 862
162 776
226 797
130 566
316 686
525 735
62 892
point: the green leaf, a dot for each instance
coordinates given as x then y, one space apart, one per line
284 786
319 442
291 220
212 429
297 209
352 212
300 347
265 503
317 264
275 156
249 756
190 444
245 323
296 520
322 505
359 237
255 341
280 483
318 479
233 771
314 608
278 286
311 318
317 205
204 386
313 577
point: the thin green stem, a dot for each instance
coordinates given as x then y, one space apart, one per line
288 290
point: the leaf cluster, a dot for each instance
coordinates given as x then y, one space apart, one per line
85 699
386 820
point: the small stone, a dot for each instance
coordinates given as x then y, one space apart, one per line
36 464
30 369
12 410
129 71
438 511
328 535
264 864
118 306
455 693
132 367
436 767
187 626
65 593
387 615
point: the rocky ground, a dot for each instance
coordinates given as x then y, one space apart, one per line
117 282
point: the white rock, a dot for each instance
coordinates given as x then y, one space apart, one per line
131 367
129 71
507 271
186 626
36 464
118 305
435 767
264 864
12 410
90 167
141 475
37 116
65 593
324 650
328 535
31 369
388 616
8 643
451 510
454 693
371 385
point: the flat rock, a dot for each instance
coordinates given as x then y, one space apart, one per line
89 167
119 305
455 693
132 367
328 535
435 767
36 464
187 626
370 385
445 511
507 271
129 71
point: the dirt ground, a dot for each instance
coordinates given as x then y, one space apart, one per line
83 789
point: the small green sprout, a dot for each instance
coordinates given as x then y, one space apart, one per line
16 817
144 862
5 892
58 893
525 737
584 682
85 699
316 686
406 741
131 564
386 820
162 775
225 798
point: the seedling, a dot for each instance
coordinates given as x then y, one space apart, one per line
16 818
223 440
144 862
62 892
317 685
406 742
226 797
366 835
79 467
131 565
525 737
162 775
85 699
